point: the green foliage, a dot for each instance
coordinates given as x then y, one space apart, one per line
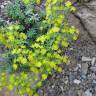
1 22
29 18
35 42
14 11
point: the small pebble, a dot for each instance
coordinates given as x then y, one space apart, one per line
5 3
86 59
66 82
77 81
93 61
77 67
2 6
94 82
93 69
84 68
70 49
87 93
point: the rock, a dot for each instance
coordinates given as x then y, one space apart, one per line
66 80
77 81
80 92
2 6
92 5
87 93
94 82
5 3
70 49
93 69
91 76
84 68
93 61
86 59
62 88
71 92
71 77
73 1
40 92
88 18
77 67
85 0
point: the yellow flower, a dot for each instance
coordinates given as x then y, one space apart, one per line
23 36
73 9
68 4
43 51
55 47
14 51
44 76
35 70
23 46
75 37
10 87
39 83
36 94
54 29
72 30
64 43
10 27
15 66
59 69
39 64
65 59
41 38
38 2
11 38
36 45
26 1
23 60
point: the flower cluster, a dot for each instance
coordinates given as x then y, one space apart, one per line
33 57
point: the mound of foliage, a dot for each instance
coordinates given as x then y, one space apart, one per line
34 43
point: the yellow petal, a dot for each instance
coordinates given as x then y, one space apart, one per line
15 66
38 2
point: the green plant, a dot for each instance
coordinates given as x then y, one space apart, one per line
35 45
1 22
28 17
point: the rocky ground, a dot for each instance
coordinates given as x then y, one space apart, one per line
79 75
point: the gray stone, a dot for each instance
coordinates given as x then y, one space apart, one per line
2 6
40 92
77 81
72 93
93 61
73 1
93 69
86 59
91 76
77 67
87 16
84 68
94 82
92 5
87 93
